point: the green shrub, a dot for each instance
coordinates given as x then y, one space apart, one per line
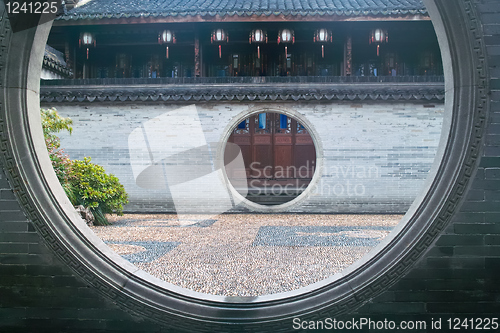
53 123
93 188
85 183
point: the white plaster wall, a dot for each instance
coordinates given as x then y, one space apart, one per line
49 75
376 156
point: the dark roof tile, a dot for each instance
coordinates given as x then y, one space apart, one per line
134 8
54 61
54 55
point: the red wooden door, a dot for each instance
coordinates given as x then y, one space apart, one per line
279 156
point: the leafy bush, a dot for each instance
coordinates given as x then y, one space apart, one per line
95 189
52 123
85 183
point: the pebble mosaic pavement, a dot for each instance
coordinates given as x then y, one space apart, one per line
245 254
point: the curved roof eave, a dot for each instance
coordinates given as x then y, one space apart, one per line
241 16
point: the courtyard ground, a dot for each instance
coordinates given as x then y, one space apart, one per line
244 254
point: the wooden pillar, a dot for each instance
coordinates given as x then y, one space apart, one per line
75 63
202 69
197 67
67 56
348 56
70 49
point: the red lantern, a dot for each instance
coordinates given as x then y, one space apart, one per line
258 36
286 36
87 39
219 36
166 37
323 36
378 36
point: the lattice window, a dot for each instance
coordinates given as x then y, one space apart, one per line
283 124
301 129
262 124
243 127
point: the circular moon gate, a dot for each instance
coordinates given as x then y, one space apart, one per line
279 156
31 176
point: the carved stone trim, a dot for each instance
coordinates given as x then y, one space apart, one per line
21 147
246 92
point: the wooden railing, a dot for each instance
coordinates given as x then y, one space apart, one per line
243 80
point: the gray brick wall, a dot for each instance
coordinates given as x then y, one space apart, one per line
41 294
460 274
376 156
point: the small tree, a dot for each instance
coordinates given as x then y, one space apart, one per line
96 190
85 183
53 123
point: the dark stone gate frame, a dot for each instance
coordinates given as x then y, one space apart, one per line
36 188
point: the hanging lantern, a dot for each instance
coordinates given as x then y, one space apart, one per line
87 39
286 36
323 36
258 36
219 36
166 37
379 36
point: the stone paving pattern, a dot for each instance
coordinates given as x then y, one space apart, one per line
245 254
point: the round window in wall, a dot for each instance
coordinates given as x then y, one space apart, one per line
279 158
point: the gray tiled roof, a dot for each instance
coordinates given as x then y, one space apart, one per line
261 92
54 61
54 56
97 9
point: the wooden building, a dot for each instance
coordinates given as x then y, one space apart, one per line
144 39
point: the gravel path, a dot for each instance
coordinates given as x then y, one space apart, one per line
244 254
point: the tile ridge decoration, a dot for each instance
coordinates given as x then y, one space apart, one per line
49 93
